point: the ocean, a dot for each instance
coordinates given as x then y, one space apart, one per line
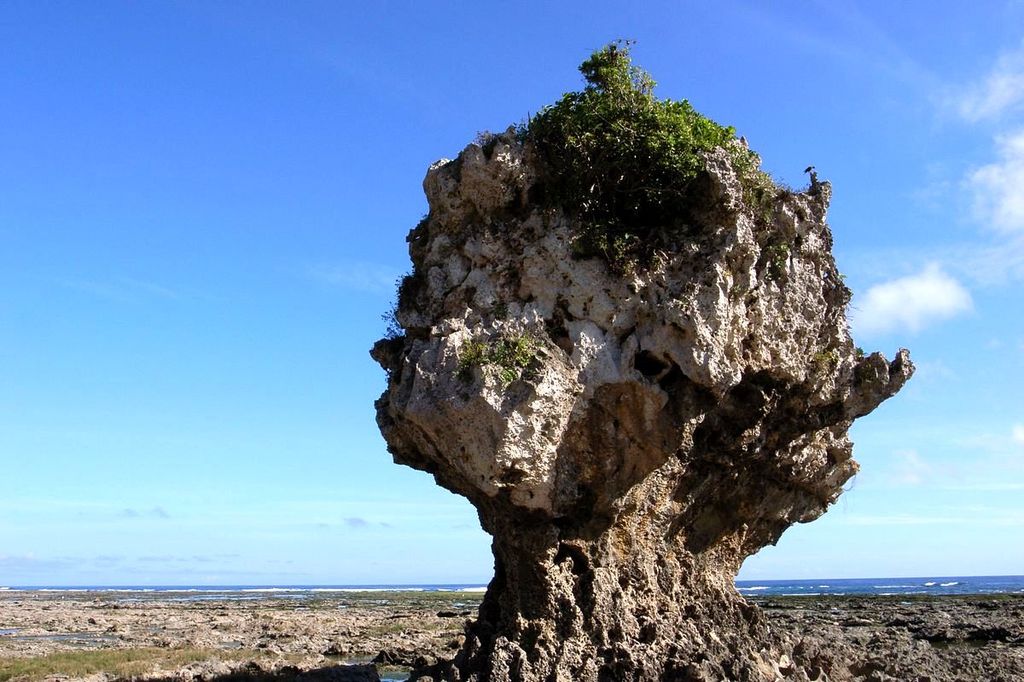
934 586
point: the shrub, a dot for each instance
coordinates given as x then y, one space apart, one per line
625 164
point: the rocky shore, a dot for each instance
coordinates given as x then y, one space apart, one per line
379 635
351 634
919 639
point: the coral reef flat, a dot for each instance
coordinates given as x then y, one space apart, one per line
379 635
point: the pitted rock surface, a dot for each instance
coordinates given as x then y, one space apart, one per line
670 422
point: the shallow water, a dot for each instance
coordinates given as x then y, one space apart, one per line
79 638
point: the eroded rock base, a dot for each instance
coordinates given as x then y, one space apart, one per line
594 602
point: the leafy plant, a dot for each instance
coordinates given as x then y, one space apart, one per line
626 164
509 355
472 354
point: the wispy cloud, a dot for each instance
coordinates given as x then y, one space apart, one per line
999 92
29 563
983 487
850 38
357 276
151 288
1004 446
152 513
989 518
353 522
195 558
933 371
123 289
910 468
910 303
899 520
993 263
360 522
983 461
998 188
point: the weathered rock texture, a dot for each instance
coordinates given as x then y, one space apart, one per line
671 422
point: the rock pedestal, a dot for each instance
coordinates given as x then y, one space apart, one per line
628 435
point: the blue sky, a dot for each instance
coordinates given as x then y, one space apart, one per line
203 209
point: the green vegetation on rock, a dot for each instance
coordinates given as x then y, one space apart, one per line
778 255
509 355
627 165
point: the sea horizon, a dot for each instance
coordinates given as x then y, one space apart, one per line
879 586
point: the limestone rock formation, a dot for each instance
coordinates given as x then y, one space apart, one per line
628 435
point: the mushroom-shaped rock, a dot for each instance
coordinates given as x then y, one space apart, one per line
630 432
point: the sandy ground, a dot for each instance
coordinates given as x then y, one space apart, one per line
872 638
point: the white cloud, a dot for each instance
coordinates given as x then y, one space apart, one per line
998 188
910 303
1018 434
1001 91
